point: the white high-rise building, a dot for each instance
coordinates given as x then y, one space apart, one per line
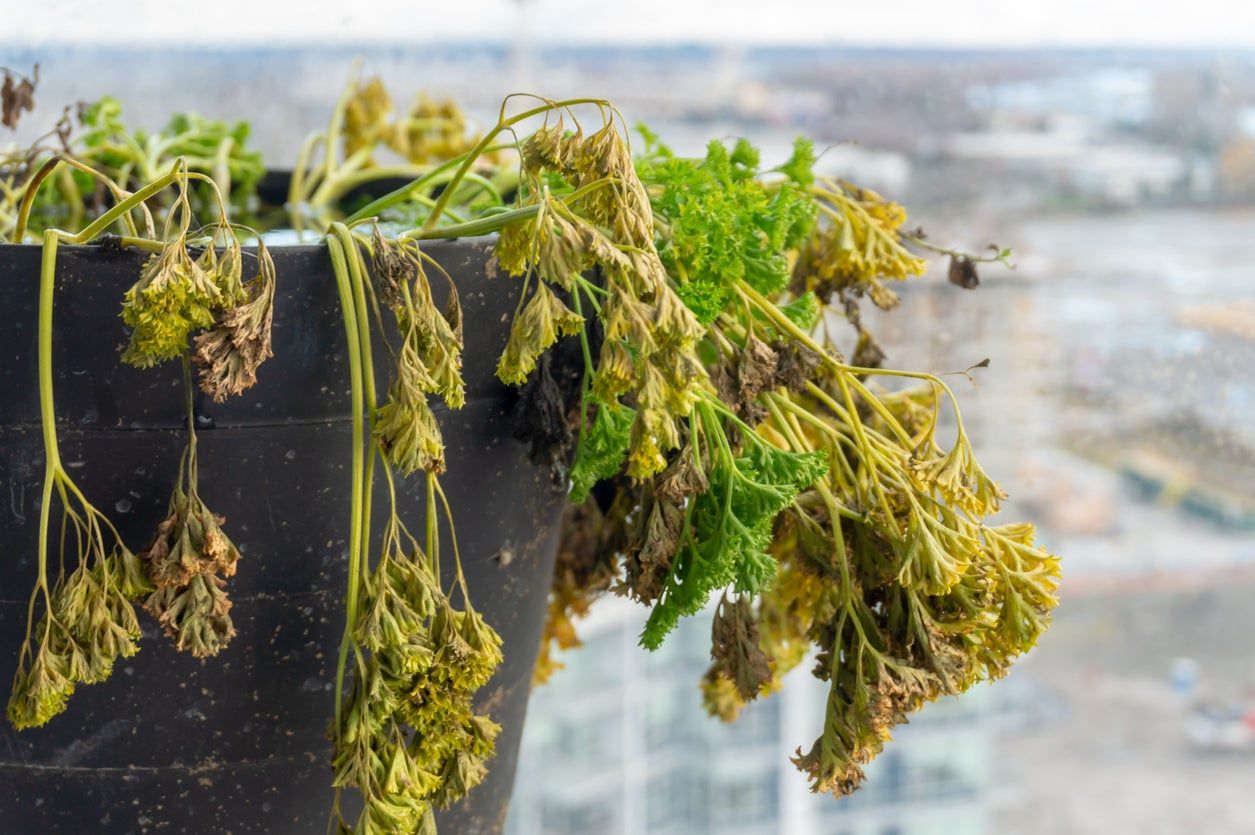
618 744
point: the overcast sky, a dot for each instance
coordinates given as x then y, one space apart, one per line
1192 23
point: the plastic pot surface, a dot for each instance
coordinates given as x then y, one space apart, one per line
237 743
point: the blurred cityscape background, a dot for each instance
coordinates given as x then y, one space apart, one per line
1118 410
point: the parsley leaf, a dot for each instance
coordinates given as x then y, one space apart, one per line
799 167
731 527
725 224
603 448
803 311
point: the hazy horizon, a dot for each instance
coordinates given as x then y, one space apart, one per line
1156 24
374 44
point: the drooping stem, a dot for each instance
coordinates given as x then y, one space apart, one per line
47 407
28 198
296 186
441 173
101 223
453 541
47 290
193 474
334 128
482 146
433 543
765 306
357 476
356 270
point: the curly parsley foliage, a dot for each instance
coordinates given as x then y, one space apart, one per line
824 507
730 525
804 311
726 224
602 449
800 166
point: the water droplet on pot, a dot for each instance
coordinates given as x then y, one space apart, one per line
122 506
290 454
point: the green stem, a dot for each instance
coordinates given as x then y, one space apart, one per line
482 146
353 344
47 408
433 555
296 186
336 124
28 198
403 193
453 541
479 226
788 326
222 169
47 290
584 346
193 474
103 222
356 275
499 220
330 190
143 244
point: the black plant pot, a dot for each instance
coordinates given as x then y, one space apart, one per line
236 744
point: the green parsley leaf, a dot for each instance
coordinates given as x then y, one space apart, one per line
603 448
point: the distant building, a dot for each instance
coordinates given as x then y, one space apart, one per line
618 744
1124 96
1069 153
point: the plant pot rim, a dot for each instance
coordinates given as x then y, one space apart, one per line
271 189
275 249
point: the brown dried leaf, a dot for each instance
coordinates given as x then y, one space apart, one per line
755 368
796 367
735 649
962 272
683 478
649 557
17 97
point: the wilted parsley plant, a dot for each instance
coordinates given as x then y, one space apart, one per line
723 449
